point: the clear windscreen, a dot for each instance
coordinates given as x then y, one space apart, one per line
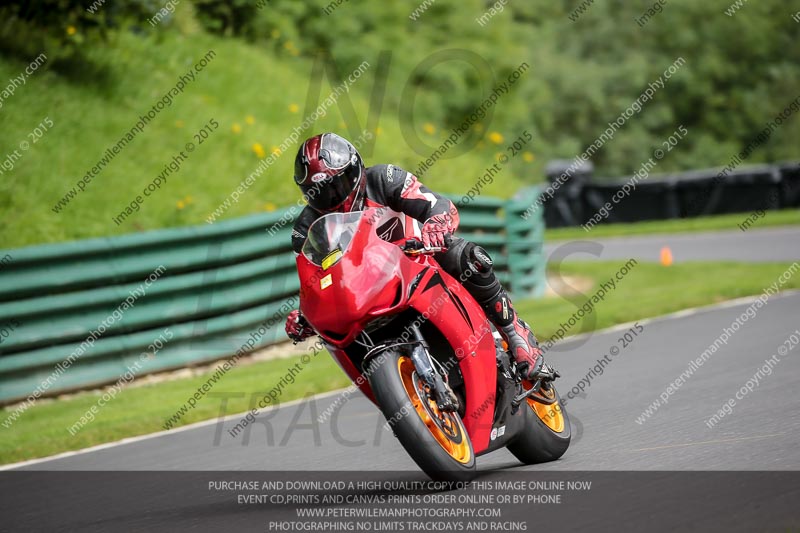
330 236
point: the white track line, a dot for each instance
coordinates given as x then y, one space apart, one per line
618 327
680 314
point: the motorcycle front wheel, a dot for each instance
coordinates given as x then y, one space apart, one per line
437 441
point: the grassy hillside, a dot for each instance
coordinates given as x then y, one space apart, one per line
581 72
256 98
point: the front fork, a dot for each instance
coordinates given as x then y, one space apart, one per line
444 396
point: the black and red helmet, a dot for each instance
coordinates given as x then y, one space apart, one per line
331 174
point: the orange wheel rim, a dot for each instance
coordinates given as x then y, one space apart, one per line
550 414
447 428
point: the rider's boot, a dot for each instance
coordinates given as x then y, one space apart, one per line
486 289
522 343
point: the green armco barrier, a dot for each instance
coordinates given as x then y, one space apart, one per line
525 245
217 288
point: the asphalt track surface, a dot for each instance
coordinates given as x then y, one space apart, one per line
761 433
650 486
753 245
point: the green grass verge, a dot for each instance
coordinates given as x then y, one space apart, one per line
42 429
713 223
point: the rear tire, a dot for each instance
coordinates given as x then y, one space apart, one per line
547 431
437 442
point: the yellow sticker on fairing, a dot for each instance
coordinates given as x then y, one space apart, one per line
326 282
331 259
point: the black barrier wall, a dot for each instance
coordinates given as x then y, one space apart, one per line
580 196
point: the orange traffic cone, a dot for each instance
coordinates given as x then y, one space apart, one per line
666 256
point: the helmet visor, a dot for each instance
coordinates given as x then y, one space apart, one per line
331 192
336 151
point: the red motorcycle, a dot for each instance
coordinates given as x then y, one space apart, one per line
421 348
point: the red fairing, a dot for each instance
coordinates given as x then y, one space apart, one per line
362 288
473 343
373 278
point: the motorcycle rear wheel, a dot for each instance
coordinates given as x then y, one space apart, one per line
437 441
547 431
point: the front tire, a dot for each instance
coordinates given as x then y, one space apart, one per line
436 441
547 431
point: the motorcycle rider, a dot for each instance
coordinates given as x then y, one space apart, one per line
330 173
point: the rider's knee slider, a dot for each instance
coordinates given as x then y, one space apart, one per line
480 260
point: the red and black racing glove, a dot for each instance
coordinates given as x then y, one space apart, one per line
435 229
297 327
